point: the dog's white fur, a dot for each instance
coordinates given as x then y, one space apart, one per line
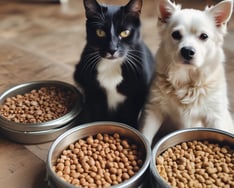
191 93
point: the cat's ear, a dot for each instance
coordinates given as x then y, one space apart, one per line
91 7
134 6
221 12
165 9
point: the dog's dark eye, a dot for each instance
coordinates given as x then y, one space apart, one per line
203 36
176 35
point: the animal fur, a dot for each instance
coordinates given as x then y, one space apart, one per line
190 86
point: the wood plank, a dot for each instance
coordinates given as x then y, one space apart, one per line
18 66
19 167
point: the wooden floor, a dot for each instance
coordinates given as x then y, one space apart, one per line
43 41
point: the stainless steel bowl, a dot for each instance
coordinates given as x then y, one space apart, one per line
180 136
90 129
35 137
23 132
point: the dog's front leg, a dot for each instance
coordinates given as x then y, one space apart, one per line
222 120
150 122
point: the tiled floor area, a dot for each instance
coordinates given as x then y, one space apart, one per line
44 41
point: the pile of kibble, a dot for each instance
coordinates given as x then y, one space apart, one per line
197 164
99 161
37 106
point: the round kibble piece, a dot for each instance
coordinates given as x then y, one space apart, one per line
197 164
37 106
99 167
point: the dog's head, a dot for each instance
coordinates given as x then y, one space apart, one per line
193 37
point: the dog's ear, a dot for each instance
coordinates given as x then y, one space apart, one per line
222 12
166 9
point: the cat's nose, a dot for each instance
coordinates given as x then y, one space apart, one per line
113 47
112 51
112 54
187 53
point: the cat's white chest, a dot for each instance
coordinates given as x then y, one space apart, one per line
109 76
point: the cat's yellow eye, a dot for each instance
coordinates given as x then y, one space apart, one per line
100 33
124 34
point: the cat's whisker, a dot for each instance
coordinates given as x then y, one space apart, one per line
93 65
133 69
136 58
91 61
134 51
90 57
133 62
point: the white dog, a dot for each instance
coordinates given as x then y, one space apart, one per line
190 85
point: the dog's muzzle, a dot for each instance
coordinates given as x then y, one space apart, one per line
187 53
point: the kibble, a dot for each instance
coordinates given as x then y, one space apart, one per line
87 164
37 106
197 164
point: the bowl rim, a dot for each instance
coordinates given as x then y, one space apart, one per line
52 174
72 113
35 137
156 147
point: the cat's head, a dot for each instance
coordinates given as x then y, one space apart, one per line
112 30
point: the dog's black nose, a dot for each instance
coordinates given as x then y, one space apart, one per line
187 52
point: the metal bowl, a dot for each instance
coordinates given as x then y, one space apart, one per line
35 137
90 129
22 132
185 135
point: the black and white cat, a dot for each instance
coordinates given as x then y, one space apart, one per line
116 67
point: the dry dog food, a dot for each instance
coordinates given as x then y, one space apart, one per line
44 104
99 161
197 164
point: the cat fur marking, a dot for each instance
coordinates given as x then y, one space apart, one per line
109 76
